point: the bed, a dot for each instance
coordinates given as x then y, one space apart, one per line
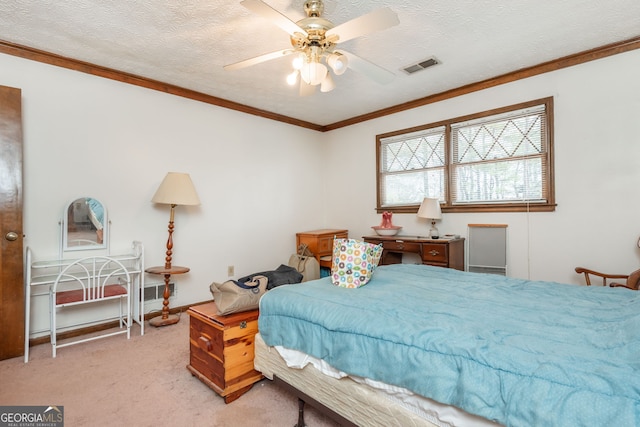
483 349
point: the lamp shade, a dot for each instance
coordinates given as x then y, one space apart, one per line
327 84
430 208
176 189
338 63
313 73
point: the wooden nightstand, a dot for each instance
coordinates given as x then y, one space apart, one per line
439 252
320 242
222 350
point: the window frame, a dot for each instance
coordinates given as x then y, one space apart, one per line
448 206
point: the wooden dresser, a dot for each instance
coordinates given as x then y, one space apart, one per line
439 252
320 242
222 350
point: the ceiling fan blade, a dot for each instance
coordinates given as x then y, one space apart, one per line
369 69
306 89
258 59
379 19
266 11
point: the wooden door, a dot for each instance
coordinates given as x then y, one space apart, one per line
11 254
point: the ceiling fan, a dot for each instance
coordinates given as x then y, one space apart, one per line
314 40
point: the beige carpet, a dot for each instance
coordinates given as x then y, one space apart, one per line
140 382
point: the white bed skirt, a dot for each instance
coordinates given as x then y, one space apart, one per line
372 404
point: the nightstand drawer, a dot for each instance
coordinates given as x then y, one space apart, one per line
434 253
320 242
325 245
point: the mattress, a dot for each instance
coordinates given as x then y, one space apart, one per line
365 403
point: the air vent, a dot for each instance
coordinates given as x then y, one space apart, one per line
419 66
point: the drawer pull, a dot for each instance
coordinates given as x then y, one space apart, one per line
243 324
206 342
399 244
433 252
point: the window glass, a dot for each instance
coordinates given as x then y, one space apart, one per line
500 158
496 160
412 166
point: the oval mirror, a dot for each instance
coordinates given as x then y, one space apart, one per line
85 225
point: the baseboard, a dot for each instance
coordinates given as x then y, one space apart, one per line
103 326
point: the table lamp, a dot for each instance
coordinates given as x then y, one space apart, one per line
175 189
430 209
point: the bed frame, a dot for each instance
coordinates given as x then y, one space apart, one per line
304 398
343 400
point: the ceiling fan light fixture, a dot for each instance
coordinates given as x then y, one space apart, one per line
327 84
292 78
314 40
298 61
313 73
338 63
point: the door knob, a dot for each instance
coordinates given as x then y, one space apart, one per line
11 236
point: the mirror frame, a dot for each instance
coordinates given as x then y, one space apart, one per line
69 214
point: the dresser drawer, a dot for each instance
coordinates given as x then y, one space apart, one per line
320 242
325 245
434 253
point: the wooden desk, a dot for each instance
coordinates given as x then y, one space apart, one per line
320 242
438 252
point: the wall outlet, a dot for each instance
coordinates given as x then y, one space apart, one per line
230 270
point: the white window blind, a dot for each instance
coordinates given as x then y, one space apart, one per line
500 158
412 167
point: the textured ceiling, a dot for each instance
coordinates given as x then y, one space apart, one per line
187 42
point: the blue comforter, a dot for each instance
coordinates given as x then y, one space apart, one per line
519 352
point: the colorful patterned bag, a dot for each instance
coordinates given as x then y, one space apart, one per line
353 262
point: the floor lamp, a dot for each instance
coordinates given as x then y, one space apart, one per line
176 189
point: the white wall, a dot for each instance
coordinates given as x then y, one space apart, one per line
89 136
597 174
85 135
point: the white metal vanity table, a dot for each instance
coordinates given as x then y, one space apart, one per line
91 233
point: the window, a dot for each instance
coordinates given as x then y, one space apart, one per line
499 160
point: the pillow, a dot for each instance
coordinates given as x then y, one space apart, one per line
353 262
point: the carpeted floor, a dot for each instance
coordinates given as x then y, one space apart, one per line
140 382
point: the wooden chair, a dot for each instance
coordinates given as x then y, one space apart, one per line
632 280
87 281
